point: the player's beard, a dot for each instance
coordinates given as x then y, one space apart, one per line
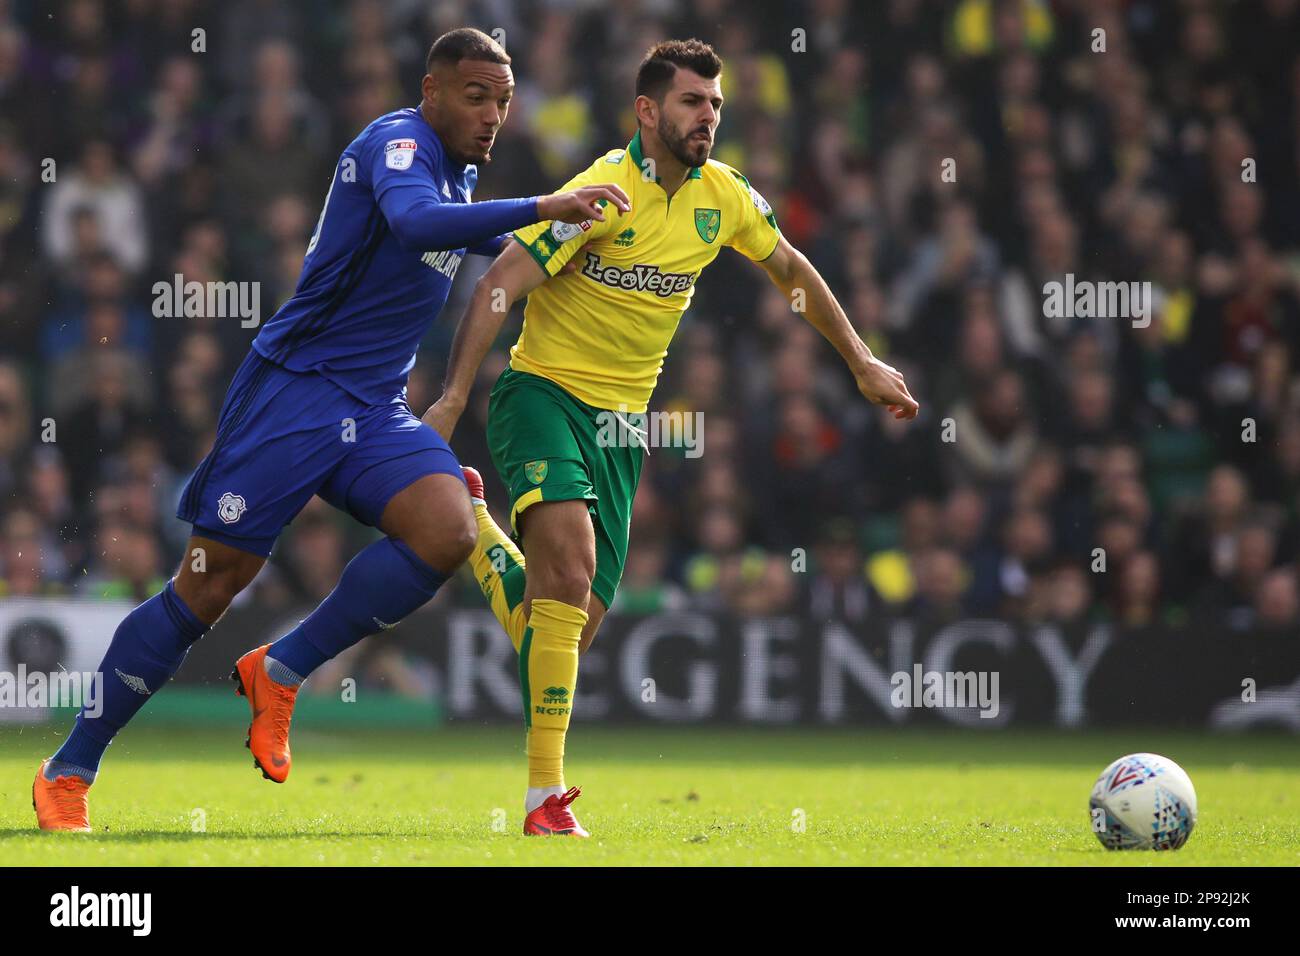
472 155
479 157
689 154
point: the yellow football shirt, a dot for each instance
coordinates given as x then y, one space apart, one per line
602 332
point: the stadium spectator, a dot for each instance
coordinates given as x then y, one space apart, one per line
95 198
835 587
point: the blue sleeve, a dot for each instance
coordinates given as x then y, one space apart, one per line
490 248
404 187
421 221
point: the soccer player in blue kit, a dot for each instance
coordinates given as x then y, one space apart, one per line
319 407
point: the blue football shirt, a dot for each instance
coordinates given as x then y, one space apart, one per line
396 222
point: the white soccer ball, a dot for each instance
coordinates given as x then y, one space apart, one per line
1143 802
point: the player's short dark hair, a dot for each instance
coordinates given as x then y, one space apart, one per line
465 43
661 62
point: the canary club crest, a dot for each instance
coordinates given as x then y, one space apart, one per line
707 222
535 471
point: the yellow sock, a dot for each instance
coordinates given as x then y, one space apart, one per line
499 569
548 673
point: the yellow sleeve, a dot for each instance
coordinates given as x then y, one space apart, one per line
554 243
757 234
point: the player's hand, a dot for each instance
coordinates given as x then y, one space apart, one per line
443 415
582 204
883 385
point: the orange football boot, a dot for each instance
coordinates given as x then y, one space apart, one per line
61 803
554 818
272 707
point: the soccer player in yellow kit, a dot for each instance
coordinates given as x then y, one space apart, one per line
594 339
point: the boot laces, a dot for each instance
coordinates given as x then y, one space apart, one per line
69 795
281 709
557 812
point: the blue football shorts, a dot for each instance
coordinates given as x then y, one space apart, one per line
284 436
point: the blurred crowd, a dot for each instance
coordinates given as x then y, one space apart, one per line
1062 470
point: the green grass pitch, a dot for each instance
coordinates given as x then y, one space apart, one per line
659 796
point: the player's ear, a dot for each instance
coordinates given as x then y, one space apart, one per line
429 87
647 110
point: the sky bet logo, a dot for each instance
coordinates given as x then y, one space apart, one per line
133 910
554 695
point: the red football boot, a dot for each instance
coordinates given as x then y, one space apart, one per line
554 818
475 482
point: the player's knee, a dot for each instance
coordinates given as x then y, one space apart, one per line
209 593
570 583
446 549
460 544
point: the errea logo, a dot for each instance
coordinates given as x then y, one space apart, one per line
558 698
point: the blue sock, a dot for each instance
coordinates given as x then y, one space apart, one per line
379 587
147 649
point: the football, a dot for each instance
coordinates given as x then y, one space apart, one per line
1143 802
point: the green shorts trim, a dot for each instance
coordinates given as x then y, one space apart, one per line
545 446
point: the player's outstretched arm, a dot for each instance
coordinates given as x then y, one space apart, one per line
562 206
511 276
794 275
420 219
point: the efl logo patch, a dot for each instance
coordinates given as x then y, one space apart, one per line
229 507
399 153
564 231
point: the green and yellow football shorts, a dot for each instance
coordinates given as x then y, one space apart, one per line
545 446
